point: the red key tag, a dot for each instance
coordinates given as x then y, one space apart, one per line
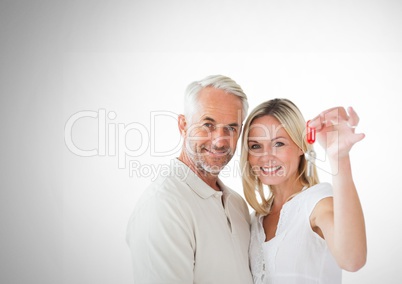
310 133
310 137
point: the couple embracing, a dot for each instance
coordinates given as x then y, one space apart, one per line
188 227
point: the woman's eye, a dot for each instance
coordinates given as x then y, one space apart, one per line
279 144
254 147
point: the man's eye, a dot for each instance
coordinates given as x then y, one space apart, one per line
208 125
231 128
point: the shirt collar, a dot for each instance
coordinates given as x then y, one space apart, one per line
184 173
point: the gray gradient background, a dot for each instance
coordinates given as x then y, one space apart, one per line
63 217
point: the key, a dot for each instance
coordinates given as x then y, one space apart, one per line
310 162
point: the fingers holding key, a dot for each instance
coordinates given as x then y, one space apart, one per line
353 119
337 120
329 118
335 116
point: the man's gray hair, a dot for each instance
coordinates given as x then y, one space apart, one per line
218 82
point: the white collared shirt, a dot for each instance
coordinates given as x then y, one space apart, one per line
180 232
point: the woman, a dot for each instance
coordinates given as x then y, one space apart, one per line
302 231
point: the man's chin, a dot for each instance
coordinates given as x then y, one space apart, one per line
213 166
213 169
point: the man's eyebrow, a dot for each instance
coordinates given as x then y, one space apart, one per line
234 124
207 118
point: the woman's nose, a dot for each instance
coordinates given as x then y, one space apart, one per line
267 154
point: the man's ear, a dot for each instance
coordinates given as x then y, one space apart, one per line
182 123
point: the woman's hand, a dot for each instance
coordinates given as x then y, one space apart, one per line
336 130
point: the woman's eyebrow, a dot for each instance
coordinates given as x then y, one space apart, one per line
279 137
273 139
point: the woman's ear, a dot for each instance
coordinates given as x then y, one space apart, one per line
182 123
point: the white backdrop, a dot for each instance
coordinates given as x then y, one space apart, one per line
89 94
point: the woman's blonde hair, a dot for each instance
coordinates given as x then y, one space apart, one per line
291 119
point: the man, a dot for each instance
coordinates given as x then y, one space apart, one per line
188 227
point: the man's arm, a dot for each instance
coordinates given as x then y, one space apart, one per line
162 242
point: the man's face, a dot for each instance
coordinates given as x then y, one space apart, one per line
211 139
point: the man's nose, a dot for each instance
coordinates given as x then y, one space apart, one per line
221 137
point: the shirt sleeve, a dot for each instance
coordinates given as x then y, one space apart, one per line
317 193
161 242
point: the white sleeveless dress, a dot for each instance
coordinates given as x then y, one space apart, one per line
296 255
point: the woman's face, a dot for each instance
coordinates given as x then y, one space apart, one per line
273 155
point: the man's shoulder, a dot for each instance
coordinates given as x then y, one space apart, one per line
162 196
164 186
